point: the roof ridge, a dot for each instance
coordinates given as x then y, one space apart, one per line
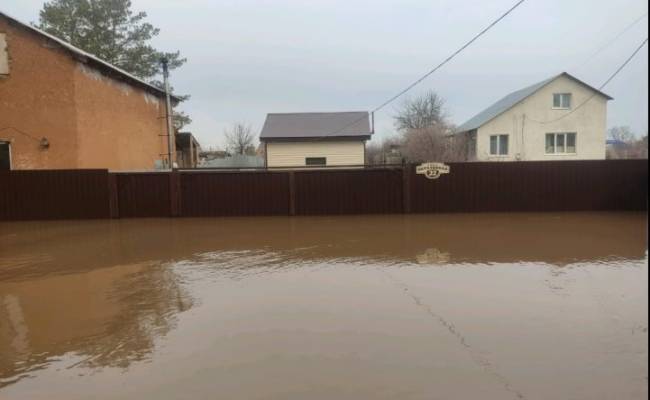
317 112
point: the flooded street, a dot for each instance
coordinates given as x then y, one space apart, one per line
489 306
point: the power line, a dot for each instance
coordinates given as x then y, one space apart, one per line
466 45
609 43
436 68
618 70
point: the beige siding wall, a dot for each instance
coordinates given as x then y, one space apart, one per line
293 154
527 135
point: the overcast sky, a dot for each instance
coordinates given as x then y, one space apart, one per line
248 58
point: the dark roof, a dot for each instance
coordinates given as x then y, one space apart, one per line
513 99
183 139
93 60
316 125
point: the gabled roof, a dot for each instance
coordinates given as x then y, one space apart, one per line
515 98
91 59
316 125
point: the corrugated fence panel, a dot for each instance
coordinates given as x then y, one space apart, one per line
470 187
143 195
234 193
534 186
54 194
323 192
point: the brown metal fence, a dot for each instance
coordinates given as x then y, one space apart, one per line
469 187
143 194
533 186
234 193
374 191
60 194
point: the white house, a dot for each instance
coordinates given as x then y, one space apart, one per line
315 139
561 118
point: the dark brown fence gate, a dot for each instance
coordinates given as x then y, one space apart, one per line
533 186
469 187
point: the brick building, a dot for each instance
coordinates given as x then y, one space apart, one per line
61 107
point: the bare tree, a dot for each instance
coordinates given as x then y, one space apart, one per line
373 153
626 144
622 134
426 133
388 151
421 113
240 138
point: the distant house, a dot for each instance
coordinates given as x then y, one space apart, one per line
315 139
561 118
235 161
187 150
61 107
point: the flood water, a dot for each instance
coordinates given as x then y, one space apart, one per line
485 306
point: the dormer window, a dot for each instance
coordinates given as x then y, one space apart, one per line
562 101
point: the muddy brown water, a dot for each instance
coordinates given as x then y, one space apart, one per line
489 306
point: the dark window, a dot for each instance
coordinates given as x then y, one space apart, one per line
315 161
5 157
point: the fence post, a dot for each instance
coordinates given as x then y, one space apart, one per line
406 188
113 199
175 193
292 193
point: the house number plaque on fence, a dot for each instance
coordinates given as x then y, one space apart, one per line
432 170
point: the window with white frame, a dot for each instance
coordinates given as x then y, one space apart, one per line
499 145
561 143
562 100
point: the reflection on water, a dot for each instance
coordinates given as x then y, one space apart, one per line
107 317
326 307
69 247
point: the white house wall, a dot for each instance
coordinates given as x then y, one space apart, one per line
293 154
527 135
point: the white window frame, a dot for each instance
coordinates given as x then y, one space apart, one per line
8 143
563 96
498 153
566 136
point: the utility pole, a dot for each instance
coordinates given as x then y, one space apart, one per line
168 114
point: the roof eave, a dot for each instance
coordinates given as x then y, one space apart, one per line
314 138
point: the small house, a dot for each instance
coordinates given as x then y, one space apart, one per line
315 139
187 150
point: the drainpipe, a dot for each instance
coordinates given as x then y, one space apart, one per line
168 114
